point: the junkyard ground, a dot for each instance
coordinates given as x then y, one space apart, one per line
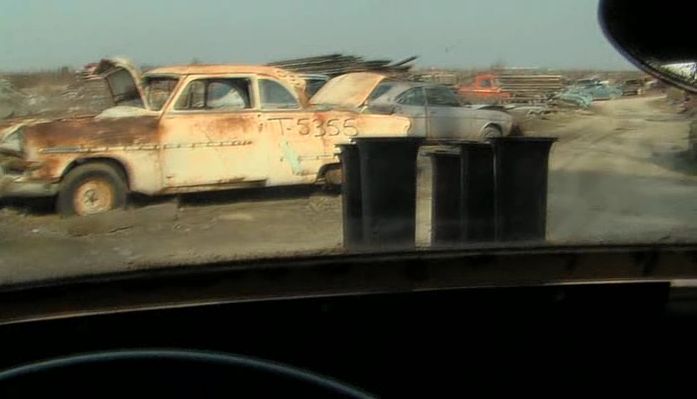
619 173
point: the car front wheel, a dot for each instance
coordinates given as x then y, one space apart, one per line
90 189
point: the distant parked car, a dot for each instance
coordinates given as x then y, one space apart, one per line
595 89
437 112
484 88
633 87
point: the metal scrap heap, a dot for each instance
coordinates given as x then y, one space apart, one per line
11 99
338 64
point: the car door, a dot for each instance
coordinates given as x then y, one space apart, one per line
300 140
447 118
412 103
210 134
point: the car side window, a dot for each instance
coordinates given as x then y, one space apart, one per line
441 97
216 94
413 96
486 83
275 96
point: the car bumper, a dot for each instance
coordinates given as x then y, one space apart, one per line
12 185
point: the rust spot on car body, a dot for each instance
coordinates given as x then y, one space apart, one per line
89 132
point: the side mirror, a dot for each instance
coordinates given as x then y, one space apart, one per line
656 35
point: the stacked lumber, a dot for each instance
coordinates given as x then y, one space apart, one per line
530 87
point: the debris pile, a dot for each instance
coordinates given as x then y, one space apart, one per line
88 95
338 64
88 72
11 99
52 94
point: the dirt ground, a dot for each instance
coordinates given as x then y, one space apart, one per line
619 173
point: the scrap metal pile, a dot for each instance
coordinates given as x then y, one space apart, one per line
338 64
52 93
11 99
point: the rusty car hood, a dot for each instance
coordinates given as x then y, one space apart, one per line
109 115
124 81
84 130
10 126
348 91
91 133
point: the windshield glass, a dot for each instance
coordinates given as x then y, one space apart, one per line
158 90
265 144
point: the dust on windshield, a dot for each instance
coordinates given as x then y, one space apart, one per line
158 90
323 137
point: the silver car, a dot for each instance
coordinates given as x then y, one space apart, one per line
437 112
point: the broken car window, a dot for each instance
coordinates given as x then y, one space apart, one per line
275 96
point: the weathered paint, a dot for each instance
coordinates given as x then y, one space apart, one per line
130 141
201 150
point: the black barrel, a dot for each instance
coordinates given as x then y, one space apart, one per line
521 171
477 191
446 199
351 196
388 180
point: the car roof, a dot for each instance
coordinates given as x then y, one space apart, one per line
219 69
399 87
298 82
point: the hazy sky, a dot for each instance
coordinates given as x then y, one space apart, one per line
445 33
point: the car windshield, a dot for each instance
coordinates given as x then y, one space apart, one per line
265 145
158 90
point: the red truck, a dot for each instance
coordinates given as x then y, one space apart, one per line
484 88
515 86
